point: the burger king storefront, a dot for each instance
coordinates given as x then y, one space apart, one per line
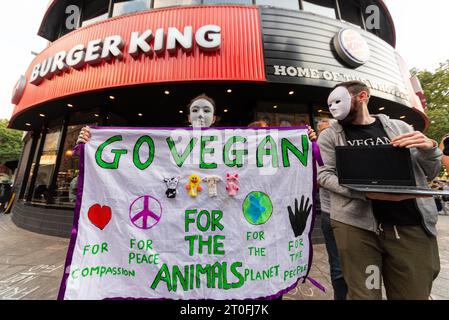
140 62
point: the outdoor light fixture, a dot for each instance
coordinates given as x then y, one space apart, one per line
140 114
41 115
229 90
275 107
96 115
225 110
180 111
28 124
167 92
320 111
381 109
402 117
69 153
112 97
291 93
69 105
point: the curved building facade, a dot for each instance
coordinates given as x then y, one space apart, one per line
139 63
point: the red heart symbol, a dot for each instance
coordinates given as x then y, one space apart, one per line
99 216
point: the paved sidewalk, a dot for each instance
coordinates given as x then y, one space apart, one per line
31 265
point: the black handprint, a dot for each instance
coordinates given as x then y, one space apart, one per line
298 219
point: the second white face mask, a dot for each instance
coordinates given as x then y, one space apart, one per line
201 113
339 103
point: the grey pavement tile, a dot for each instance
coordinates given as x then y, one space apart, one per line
8 274
32 287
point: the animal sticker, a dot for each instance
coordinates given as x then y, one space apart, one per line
193 186
232 185
212 182
172 185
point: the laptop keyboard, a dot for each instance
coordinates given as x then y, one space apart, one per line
371 186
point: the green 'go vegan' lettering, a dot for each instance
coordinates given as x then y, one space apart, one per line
204 150
179 159
302 156
272 151
136 157
118 153
238 154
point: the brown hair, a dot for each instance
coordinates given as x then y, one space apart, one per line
205 97
355 87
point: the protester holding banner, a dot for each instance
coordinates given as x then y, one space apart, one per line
221 213
338 282
380 235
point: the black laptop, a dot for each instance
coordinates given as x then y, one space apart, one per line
383 169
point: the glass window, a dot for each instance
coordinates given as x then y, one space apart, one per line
122 7
70 21
94 11
26 156
287 4
351 12
46 166
282 114
321 7
170 3
227 1
66 182
33 165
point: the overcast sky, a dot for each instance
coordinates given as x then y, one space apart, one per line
422 29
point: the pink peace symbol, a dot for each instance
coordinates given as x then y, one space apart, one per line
149 216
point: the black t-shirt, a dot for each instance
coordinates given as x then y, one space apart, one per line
402 213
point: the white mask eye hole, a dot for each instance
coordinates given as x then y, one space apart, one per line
338 101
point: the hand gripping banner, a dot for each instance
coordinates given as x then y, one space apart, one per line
219 213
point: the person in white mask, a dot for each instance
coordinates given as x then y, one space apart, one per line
382 236
202 112
201 109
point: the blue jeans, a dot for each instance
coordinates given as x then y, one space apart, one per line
338 283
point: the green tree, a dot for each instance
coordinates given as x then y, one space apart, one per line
436 90
10 142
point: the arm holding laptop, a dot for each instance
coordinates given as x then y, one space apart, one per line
327 175
429 159
429 155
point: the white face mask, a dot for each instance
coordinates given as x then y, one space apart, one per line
339 103
201 113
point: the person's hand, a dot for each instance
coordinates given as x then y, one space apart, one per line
312 134
298 217
392 197
414 139
84 136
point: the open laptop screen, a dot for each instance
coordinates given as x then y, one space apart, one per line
377 165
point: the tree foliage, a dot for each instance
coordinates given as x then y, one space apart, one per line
10 143
436 90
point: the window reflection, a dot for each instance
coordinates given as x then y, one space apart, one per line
227 1
321 7
351 12
122 7
94 11
46 165
170 3
287 4
67 180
